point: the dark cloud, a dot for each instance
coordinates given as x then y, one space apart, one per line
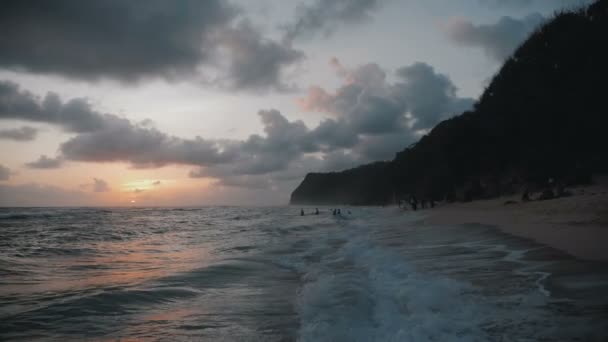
284 142
325 16
75 115
35 195
207 41
430 96
24 133
255 62
124 40
286 179
143 147
370 118
331 133
100 185
368 105
107 137
507 3
5 173
527 3
497 40
44 162
363 105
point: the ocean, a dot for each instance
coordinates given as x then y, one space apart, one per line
269 274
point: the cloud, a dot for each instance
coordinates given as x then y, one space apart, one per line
156 183
44 162
24 133
99 185
75 115
367 104
335 133
325 16
34 195
107 137
510 3
255 62
5 173
369 118
143 146
125 40
527 3
498 40
284 142
430 96
209 42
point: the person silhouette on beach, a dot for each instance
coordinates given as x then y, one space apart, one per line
301 212
316 211
525 197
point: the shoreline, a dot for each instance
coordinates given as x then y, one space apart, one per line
577 225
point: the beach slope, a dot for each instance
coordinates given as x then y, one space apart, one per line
577 224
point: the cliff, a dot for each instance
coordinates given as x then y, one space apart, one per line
543 115
359 186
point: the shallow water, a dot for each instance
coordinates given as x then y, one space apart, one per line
268 274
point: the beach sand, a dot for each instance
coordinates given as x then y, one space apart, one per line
577 225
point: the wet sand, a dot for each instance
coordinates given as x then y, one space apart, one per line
577 225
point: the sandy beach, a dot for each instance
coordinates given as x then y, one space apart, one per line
577 225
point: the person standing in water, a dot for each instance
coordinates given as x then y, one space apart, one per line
301 212
316 211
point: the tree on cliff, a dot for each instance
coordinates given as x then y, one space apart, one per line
543 115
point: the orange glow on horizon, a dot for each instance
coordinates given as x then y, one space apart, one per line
166 186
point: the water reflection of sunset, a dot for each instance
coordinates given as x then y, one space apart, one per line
122 263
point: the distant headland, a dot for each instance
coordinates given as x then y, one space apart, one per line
542 119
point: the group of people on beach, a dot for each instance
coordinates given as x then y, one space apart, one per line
333 212
302 212
414 203
552 189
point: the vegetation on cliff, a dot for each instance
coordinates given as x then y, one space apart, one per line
544 115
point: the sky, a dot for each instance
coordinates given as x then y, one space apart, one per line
218 102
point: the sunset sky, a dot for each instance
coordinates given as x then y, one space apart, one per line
189 102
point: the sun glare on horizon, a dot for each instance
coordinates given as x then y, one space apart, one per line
144 184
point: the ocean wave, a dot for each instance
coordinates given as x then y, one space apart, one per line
359 293
275 275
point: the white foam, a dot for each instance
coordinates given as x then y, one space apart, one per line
365 293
